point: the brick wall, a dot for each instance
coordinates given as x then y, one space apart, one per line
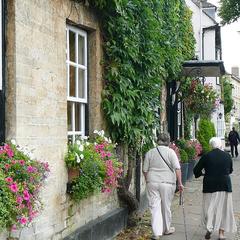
36 105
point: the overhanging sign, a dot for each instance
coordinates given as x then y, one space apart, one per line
203 68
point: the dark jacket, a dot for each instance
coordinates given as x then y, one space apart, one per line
217 166
233 137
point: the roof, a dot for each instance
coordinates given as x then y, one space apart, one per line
206 4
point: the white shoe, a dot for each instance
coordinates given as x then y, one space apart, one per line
170 231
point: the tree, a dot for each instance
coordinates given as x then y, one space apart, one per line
227 95
229 11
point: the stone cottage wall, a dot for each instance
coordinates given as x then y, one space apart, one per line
36 106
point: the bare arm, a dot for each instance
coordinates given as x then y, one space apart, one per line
179 179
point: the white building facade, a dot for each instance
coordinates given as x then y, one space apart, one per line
207 33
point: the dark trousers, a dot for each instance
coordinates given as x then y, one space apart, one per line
232 150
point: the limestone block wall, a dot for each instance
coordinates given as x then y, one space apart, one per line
36 106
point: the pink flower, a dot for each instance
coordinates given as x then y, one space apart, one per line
26 195
31 169
10 153
22 162
13 187
7 166
46 167
14 227
9 179
19 199
109 154
23 220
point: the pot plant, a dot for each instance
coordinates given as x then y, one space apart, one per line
21 179
184 165
97 166
191 152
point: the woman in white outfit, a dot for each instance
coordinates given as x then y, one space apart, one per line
217 190
161 168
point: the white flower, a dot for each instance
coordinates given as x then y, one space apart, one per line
87 143
95 131
77 157
81 148
78 142
13 141
81 156
84 137
101 133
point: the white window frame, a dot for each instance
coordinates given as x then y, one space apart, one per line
70 99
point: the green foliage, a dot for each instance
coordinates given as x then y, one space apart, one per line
97 164
183 156
182 144
90 180
227 95
191 152
229 11
145 45
205 133
7 204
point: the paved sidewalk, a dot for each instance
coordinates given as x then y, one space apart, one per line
192 206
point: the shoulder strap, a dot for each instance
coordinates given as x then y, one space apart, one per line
164 160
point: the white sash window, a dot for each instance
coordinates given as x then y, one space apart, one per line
77 97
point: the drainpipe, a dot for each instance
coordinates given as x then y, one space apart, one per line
2 84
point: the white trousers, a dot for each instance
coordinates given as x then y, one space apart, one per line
160 196
218 212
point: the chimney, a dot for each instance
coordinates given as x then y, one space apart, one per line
235 71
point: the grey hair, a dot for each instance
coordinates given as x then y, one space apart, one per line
215 142
163 139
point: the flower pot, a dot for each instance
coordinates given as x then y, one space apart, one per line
191 165
184 170
73 173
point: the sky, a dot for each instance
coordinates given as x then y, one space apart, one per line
230 42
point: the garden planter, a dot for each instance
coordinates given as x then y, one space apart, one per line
73 173
184 169
191 165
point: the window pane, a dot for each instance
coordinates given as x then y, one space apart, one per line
69 116
81 50
70 139
72 82
72 46
81 83
77 116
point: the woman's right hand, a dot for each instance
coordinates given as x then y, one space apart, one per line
180 187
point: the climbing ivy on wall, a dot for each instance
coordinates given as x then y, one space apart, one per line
145 43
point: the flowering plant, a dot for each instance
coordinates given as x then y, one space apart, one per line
197 146
199 98
97 163
173 146
21 179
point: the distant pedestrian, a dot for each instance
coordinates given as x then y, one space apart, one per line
161 168
233 139
217 190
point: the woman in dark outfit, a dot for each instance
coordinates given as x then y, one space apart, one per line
217 190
